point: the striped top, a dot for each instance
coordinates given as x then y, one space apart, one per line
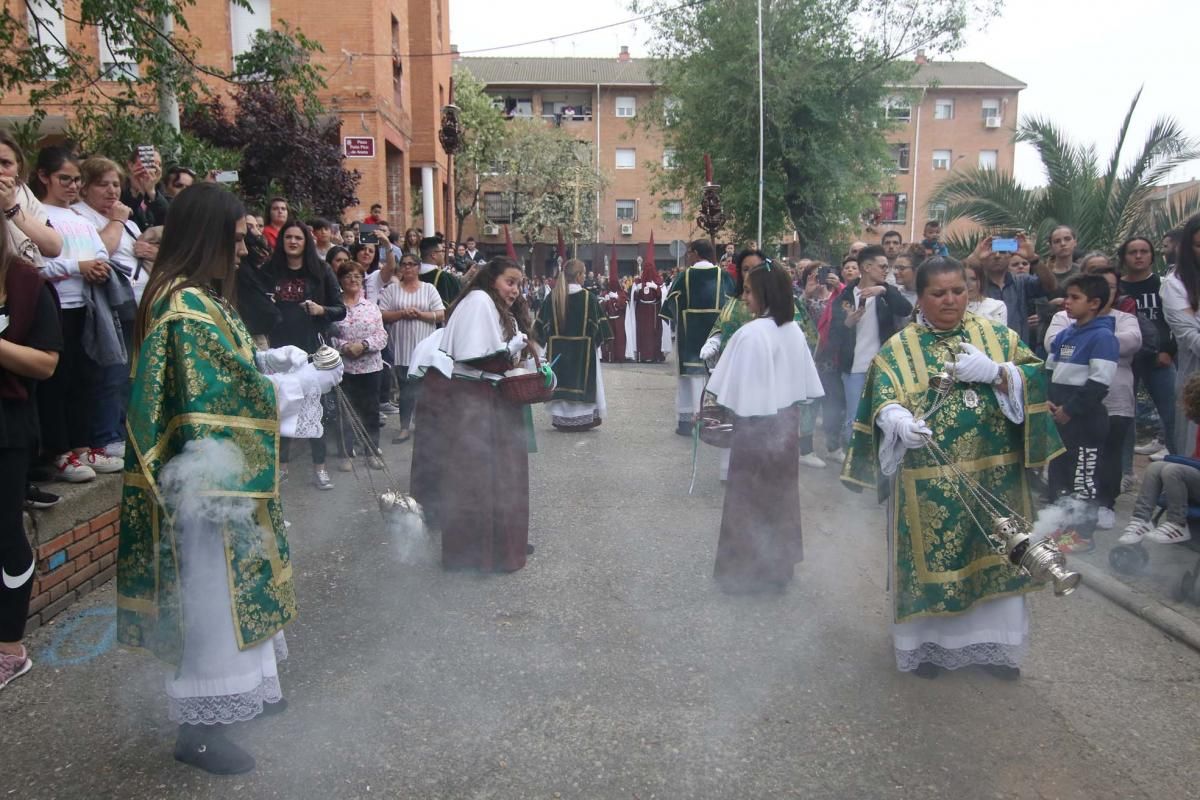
405 333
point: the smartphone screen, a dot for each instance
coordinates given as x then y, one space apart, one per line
1004 245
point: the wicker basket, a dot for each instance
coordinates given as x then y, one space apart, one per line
716 427
526 389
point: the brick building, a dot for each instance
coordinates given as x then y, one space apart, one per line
599 101
956 114
953 114
387 82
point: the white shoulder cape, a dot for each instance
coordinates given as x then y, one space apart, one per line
765 368
474 329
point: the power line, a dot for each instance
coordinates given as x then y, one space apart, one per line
681 6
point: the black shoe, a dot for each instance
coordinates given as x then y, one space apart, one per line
206 748
274 709
529 549
684 429
1004 673
38 498
927 670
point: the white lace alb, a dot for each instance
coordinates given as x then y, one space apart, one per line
983 653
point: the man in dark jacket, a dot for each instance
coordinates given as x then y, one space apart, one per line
864 317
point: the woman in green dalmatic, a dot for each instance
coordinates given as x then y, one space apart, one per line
573 326
957 603
204 580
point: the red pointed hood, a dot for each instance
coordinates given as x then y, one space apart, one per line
649 270
509 250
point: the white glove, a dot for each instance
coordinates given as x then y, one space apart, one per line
284 359
912 432
974 366
517 343
711 351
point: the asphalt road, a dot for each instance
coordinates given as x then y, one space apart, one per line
612 667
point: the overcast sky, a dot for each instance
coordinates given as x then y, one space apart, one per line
1083 61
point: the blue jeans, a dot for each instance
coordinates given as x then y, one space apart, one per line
852 385
108 405
1160 383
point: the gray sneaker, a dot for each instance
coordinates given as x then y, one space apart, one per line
13 667
321 480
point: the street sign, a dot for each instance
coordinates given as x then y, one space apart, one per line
358 146
678 248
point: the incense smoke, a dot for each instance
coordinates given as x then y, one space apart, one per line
1066 512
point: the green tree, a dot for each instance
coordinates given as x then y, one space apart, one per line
548 180
828 69
1104 202
484 132
37 60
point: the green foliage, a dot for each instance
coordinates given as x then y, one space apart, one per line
116 133
1103 202
484 134
828 69
54 74
548 179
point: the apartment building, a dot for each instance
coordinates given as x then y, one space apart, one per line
955 115
387 83
600 101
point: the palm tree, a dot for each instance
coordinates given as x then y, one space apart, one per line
1103 202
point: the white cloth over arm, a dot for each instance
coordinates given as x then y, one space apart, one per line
428 355
765 368
298 397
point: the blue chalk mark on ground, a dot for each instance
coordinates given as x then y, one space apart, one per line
82 638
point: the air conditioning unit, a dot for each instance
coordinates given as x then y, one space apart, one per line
992 121
627 229
491 230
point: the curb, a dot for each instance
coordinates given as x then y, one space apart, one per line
1166 619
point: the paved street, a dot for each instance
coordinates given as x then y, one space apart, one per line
612 667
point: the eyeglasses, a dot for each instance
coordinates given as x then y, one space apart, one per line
68 180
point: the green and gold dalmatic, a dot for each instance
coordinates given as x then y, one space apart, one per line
941 561
195 378
736 314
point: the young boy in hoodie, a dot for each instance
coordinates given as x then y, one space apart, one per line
1083 360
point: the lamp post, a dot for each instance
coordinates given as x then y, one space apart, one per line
450 134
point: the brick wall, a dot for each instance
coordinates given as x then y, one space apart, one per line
72 564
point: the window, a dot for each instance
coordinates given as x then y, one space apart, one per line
511 106
672 210
943 108
937 211
670 109
988 159
397 65
245 22
899 108
115 60
893 207
941 159
626 106
48 28
626 158
497 206
901 153
991 109
668 161
627 210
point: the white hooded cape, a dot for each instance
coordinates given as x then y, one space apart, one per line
765 368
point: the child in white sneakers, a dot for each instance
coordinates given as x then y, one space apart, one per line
1179 482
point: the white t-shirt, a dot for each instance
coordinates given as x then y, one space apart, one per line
866 334
81 242
123 255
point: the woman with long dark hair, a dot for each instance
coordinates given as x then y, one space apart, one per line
203 575
30 341
67 402
309 301
1181 304
573 326
465 427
